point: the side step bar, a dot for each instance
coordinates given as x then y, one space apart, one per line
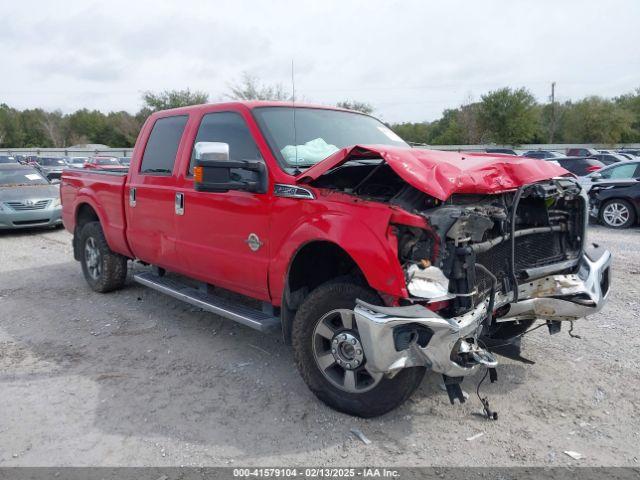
220 306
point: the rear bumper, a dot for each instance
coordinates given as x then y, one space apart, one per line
554 297
48 217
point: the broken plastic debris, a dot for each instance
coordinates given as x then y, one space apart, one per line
358 433
574 455
473 437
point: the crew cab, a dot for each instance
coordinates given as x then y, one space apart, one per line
375 261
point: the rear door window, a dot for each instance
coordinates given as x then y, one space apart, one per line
162 146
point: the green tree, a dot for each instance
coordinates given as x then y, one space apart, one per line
508 116
595 120
32 123
172 99
11 134
250 88
630 102
363 107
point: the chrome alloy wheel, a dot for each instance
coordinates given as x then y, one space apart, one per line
93 258
616 214
339 354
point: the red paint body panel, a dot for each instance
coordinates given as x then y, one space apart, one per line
441 174
104 193
208 242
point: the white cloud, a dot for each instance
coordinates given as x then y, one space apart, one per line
410 58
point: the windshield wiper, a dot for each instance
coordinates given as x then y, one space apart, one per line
156 170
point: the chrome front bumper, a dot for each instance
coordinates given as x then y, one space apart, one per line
555 298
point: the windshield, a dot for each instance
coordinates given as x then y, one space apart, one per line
107 161
51 161
21 176
319 133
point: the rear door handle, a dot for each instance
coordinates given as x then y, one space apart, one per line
132 197
179 204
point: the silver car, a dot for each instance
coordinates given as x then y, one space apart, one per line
27 198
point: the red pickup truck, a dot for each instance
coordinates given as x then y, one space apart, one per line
375 260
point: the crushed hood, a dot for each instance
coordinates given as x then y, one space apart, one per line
441 174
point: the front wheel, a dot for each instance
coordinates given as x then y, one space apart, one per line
617 214
331 360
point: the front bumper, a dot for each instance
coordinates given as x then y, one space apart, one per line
554 298
49 217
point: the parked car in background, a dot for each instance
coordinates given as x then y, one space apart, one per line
580 166
7 159
125 161
609 158
615 199
581 152
617 171
104 163
628 156
76 161
504 151
27 198
543 154
51 167
631 151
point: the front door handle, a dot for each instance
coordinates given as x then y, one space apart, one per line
132 197
179 204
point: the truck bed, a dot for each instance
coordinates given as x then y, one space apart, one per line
104 192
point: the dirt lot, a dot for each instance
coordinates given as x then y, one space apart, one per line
136 378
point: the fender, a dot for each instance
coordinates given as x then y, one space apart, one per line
114 232
367 243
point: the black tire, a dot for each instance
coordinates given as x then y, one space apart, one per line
622 205
386 395
111 268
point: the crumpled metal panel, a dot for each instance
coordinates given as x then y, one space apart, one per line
441 174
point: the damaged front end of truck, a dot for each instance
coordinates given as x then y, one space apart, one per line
500 243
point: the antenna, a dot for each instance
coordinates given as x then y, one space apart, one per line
293 108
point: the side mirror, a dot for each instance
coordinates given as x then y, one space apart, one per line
596 176
55 181
214 172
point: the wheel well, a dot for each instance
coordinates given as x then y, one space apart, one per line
84 215
314 264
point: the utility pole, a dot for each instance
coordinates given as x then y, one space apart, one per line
552 130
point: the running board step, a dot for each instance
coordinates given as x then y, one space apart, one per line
220 306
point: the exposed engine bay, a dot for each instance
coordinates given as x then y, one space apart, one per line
474 244
482 266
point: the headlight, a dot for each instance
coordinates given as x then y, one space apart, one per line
56 203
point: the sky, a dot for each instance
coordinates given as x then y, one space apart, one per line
410 59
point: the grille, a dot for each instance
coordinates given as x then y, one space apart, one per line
32 222
530 251
28 205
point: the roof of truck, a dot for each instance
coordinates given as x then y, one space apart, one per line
251 104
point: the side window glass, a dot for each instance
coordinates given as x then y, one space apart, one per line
623 171
162 146
230 128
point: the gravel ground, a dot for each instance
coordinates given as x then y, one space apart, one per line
137 378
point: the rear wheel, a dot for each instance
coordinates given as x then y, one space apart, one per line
617 214
103 269
331 360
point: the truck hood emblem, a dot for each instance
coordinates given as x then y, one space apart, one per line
254 242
